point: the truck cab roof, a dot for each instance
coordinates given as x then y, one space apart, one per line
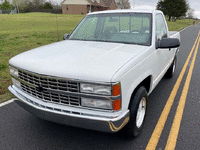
126 11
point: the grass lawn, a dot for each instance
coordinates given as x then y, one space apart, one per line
22 32
179 24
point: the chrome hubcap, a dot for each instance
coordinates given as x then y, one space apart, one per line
174 66
141 112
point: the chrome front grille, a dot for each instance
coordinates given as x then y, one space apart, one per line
52 97
50 83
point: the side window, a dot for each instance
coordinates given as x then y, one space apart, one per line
161 30
141 24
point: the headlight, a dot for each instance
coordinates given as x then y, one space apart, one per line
95 89
16 83
13 71
88 102
112 90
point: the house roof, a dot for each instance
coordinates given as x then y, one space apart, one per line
105 3
80 2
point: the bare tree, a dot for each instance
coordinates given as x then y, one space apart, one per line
15 1
190 13
19 4
123 4
38 2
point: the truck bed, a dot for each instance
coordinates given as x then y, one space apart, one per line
173 34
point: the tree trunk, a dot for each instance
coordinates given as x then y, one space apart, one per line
169 18
174 19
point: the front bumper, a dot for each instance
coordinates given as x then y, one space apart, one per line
70 116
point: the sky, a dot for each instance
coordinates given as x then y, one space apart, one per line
151 4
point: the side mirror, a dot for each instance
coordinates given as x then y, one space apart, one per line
168 43
66 36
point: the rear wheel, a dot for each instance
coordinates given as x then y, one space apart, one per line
138 109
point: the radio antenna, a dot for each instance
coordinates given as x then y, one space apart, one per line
57 27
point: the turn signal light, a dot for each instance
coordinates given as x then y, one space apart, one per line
117 105
116 90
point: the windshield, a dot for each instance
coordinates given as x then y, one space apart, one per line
131 28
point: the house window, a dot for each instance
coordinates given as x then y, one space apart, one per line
67 8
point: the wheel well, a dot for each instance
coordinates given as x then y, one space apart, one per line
146 83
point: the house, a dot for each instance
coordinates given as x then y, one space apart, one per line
85 6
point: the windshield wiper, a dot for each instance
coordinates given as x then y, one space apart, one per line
122 42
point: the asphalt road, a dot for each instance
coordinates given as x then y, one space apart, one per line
20 130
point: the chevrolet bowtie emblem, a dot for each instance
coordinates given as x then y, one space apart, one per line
39 89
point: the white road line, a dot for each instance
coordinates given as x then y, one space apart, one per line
7 102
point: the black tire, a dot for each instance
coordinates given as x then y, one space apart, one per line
171 70
134 126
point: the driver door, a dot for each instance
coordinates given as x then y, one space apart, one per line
163 55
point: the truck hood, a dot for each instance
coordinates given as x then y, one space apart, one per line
82 60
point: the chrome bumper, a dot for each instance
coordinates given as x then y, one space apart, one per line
71 118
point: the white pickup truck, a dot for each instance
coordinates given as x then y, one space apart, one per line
100 76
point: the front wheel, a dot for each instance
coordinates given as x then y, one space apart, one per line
171 70
138 109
